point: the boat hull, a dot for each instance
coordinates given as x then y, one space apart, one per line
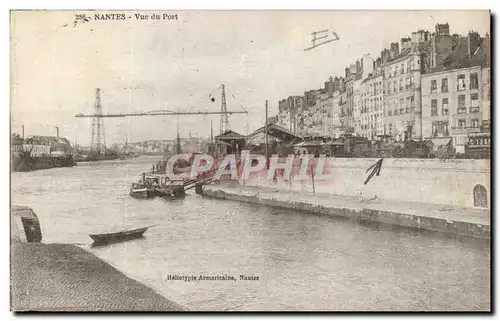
99 157
142 193
110 238
148 193
26 163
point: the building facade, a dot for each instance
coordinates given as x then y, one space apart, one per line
402 111
456 94
372 120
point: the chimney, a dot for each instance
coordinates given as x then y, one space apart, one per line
405 43
455 41
385 55
358 66
473 42
427 36
347 71
442 29
442 45
353 69
341 84
486 44
329 87
394 49
414 36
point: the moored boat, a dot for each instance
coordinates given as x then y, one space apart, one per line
157 185
139 190
109 238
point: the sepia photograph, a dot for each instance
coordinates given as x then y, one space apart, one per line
250 160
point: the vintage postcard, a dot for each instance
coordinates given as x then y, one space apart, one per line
250 160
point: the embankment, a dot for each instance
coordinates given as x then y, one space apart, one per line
59 277
453 182
446 219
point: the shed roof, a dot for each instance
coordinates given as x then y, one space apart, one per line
229 135
441 141
276 131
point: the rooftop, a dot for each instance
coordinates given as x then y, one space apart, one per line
459 58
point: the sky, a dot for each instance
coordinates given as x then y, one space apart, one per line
144 65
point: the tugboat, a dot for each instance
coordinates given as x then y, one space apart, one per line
157 185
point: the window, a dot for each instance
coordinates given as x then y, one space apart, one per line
444 85
475 123
395 71
408 66
444 108
408 84
390 129
461 104
434 129
434 86
474 103
474 82
388 87
395 86
396 108
407 104
401 87
434 107
412 82
461 123
402 69
461 82
402 106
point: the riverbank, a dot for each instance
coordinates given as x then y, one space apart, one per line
471 222
60 277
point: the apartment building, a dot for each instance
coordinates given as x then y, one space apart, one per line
402 91
372 121
456 94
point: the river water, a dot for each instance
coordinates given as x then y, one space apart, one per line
303 261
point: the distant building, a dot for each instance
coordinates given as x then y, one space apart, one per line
288 110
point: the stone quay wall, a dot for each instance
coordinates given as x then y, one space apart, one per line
443 182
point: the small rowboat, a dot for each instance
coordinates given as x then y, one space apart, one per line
109 238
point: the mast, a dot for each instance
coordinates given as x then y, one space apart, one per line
178 143
125 146
266 132
179 150
211 139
